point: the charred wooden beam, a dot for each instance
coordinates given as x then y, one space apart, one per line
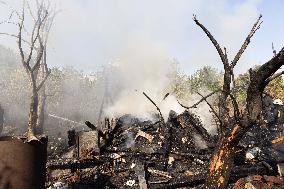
110 136
187 119
167 143
186 181
71 137
71 164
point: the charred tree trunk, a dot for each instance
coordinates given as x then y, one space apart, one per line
42 98
33 112
1 119
234 127
222 160
41 112
33 60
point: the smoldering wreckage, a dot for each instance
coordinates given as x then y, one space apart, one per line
128 152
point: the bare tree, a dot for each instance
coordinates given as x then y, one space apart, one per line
234 125
44 71
33 55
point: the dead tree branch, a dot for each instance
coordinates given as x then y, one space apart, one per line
273 50
213 40
255 27
201 100
274 77
211 107
161 116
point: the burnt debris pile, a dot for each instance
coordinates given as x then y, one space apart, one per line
133 153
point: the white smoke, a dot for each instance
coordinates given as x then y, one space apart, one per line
141 68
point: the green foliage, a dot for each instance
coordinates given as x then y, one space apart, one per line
206 78
178 84
241 85
276 88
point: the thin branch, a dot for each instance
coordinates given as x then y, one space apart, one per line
186 107
162 119
15 36
204 98
20 25
273 50
211 107
38 25
43 81
31 12
255 27
214 41
237 113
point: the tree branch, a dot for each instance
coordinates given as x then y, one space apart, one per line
273 50
258 81
214 41
255 27
211 107
201 100
161 116
273 77
237 113
43 81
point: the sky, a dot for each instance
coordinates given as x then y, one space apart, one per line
90 33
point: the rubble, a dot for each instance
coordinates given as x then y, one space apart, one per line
259 182
130 153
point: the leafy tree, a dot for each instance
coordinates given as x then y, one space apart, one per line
207 78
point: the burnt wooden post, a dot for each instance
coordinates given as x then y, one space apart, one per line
71 137
87 144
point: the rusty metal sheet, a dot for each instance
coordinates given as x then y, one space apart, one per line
22 165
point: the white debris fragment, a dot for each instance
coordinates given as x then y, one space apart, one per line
59 185
280 167
252 153
249 156
249 185
132 165
158 172
130 182
199 161
144 135
171 160
115 156
184 139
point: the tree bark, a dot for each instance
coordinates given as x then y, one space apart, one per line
222 160
33 113
1 119
41 112
42 97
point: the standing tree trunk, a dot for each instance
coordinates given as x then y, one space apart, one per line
41 111
35 59
33 109
42 99
222 160
234 127
1 119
